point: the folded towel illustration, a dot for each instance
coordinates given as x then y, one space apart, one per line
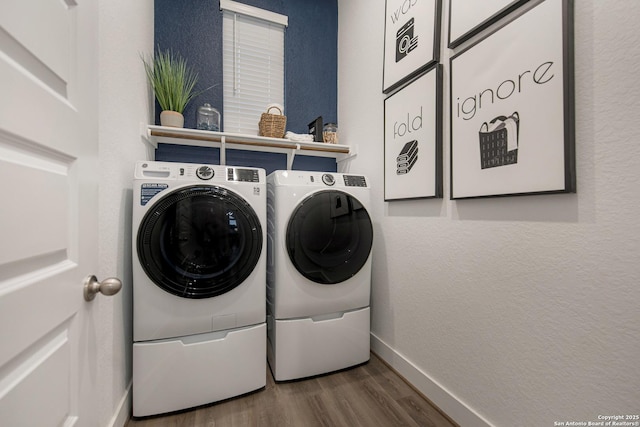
404 168
407 157
499 141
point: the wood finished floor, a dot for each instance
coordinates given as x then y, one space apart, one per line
368 395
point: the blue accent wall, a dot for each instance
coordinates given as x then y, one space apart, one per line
311 62
193 28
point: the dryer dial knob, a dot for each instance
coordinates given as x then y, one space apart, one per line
204 172
328 179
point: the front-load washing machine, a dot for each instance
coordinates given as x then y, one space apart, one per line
320 237
199 272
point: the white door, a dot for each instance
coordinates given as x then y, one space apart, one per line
48 211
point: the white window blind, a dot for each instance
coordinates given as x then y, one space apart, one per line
253 69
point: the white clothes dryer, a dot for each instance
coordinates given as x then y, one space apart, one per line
320 237
199 272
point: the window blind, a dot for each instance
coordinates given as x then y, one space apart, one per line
253 70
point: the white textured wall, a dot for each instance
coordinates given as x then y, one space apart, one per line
126 29
523 309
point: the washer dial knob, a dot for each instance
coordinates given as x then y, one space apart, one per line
204 172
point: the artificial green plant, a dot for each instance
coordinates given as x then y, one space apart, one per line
172 80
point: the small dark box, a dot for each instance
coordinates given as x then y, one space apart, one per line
315 129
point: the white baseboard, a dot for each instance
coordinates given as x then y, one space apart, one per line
123 411
438 395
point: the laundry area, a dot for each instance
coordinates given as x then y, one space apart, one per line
354 213
251 238
233 266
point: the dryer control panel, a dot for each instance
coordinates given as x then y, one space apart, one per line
355 181
349 180
318 179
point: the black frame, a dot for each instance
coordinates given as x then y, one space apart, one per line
315 129
428 62
438 130
481 25
568 107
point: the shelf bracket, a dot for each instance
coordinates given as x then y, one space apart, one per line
145 134
223 151
291 156
353 152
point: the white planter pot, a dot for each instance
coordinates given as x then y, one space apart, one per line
172 119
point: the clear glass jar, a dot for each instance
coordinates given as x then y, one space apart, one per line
208 118
330 133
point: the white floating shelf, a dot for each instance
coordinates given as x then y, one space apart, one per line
224 140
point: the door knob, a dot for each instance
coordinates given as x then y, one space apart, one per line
110 286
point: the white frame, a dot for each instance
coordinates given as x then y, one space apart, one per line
256 12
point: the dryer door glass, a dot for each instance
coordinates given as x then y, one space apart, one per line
329 237
199 241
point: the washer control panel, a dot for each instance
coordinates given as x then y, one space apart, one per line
170 171
243 175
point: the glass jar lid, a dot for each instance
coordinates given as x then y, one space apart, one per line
207 109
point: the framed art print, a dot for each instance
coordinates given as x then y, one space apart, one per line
411 40
512 108
469 17
413 139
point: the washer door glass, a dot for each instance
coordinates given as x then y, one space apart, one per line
329 237
199 241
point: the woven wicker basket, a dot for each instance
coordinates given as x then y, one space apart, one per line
272 125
